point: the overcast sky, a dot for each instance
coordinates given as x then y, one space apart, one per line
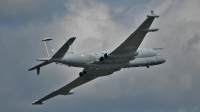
100 25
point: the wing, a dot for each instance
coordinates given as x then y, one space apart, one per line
128 49
93 72
66 89
88 75
131 44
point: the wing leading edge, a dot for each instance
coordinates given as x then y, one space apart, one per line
66 89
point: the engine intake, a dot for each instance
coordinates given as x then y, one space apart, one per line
80 74
105 55
101 59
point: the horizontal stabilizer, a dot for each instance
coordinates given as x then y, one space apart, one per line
150 30
62 51
40 65
43 59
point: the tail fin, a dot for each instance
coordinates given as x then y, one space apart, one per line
71 46
48 47
62 51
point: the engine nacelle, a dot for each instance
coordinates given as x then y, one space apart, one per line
105 55
101 59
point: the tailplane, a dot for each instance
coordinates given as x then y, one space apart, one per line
58 55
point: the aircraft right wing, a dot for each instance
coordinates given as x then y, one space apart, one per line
89 75
66 89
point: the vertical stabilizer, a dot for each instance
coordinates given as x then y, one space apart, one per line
48 47
71 46
63 50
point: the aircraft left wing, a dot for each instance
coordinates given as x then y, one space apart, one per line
128 49
66 90
131 44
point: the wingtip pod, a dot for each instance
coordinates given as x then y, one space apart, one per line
153 15
34 103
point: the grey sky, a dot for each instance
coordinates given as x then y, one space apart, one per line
172 86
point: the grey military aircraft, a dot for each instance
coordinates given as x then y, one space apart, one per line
102 63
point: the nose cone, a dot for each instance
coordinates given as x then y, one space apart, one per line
162 59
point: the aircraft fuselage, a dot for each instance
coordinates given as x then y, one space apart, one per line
144 57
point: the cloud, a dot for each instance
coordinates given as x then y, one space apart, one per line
193 41
172 86
23 12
